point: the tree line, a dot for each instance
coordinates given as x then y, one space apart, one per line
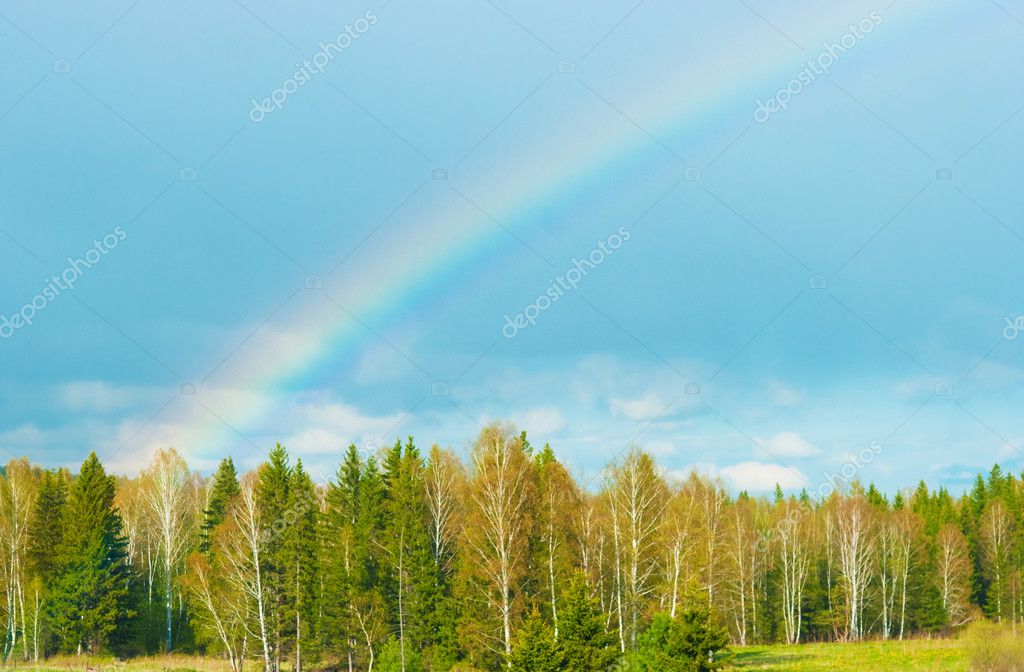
414 561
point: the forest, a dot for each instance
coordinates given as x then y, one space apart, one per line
492 558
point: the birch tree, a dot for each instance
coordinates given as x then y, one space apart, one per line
18 502
499 521
170 498
855 549
996 531
445 481
637 496
792 541
241 547
954 571
679 540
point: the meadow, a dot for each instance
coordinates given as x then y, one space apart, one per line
922 655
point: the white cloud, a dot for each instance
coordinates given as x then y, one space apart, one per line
661 448
645 408
783 395
540 422
99 396
319 428
763 477
788 444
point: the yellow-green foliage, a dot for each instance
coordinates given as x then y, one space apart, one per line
994 648
935 655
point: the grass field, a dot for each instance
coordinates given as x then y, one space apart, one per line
939 655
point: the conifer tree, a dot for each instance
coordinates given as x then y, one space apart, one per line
89 598
224 489
583 641
272 501
535 650
302 561
46 528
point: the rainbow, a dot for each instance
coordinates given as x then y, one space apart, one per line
567 156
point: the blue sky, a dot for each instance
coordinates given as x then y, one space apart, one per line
790 293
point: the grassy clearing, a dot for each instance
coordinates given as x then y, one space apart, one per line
144 664
925 655
935 655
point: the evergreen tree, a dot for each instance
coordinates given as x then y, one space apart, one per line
225 488
46 528
583 642
690 642
90 594
272 499
536 650
302 561
45 537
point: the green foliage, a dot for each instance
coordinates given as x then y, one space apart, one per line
536 650
582 639
301 559
393 659
89 599
225 488
691 642
46 528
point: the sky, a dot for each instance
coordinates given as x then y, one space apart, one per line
775 242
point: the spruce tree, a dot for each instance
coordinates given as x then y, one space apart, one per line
536 650
46 528
90 595
335 548
691 642
302 562
272 499
45 537
583 642
225 488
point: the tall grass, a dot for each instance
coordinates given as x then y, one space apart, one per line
171 663
994 648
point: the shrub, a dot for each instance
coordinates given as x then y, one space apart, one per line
994 648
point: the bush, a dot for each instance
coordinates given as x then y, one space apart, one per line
994 648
